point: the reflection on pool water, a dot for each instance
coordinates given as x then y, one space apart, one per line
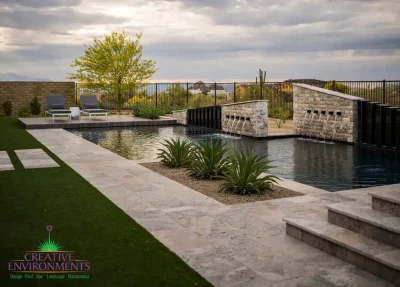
329 166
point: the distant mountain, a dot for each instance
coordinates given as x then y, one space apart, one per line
15 77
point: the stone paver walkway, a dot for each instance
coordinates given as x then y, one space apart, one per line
35 158
237 245
5 162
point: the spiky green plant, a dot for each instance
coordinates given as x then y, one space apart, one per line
49 244
209 160
243 175
176 153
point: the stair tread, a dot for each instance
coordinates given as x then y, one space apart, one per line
388 195
370 248
364 212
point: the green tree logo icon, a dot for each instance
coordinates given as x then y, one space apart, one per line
49 244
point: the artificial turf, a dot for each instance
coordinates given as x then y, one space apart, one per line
121 252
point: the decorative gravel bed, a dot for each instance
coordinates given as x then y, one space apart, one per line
211 187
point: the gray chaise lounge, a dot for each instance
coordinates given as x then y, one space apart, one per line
55 106
90 106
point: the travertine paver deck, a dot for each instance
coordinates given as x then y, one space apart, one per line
5 162
237 245
35 158
94 122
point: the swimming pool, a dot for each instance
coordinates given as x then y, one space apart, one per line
329 166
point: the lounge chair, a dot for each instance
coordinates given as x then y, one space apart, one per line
90 106
55 106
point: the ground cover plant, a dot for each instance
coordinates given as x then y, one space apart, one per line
121 252
147 111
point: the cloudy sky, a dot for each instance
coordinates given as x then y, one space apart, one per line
210 40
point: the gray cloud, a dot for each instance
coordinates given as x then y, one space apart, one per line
292 39
41 3
53 20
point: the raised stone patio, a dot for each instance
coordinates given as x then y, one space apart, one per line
94 122
238 245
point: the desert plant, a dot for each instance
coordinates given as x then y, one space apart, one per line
35 106
24 112
338 87
147 111
114 64
176 153
243 175
209 160
7 108
281 115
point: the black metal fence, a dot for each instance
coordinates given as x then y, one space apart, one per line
174 96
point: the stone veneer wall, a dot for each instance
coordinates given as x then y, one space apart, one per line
256 111
21 93
180 116
306 97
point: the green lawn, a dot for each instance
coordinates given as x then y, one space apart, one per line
121 252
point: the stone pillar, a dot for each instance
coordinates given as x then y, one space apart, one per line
246 118
332 115
180 116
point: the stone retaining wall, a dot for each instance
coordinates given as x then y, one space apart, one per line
246 118
180 116
22 93
340 125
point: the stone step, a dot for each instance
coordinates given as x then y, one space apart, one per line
386 201
361 218
370 255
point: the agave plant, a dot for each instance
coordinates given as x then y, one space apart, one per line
176 153
209 160
243 175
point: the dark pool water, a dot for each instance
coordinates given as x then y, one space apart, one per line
329 166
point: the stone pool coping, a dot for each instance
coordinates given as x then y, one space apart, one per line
237 245
95 122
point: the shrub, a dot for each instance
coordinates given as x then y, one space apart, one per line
147 111
200 101
35 106
24 112
209 160
176 153
138 100
338 87
7 108
2 113
243 174
281 115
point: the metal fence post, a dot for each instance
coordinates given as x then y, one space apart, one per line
334 85
187 94
215 94
384 92
156 96
234 92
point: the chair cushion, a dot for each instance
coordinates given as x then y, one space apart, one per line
95 111
59 111
90 106
56 106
